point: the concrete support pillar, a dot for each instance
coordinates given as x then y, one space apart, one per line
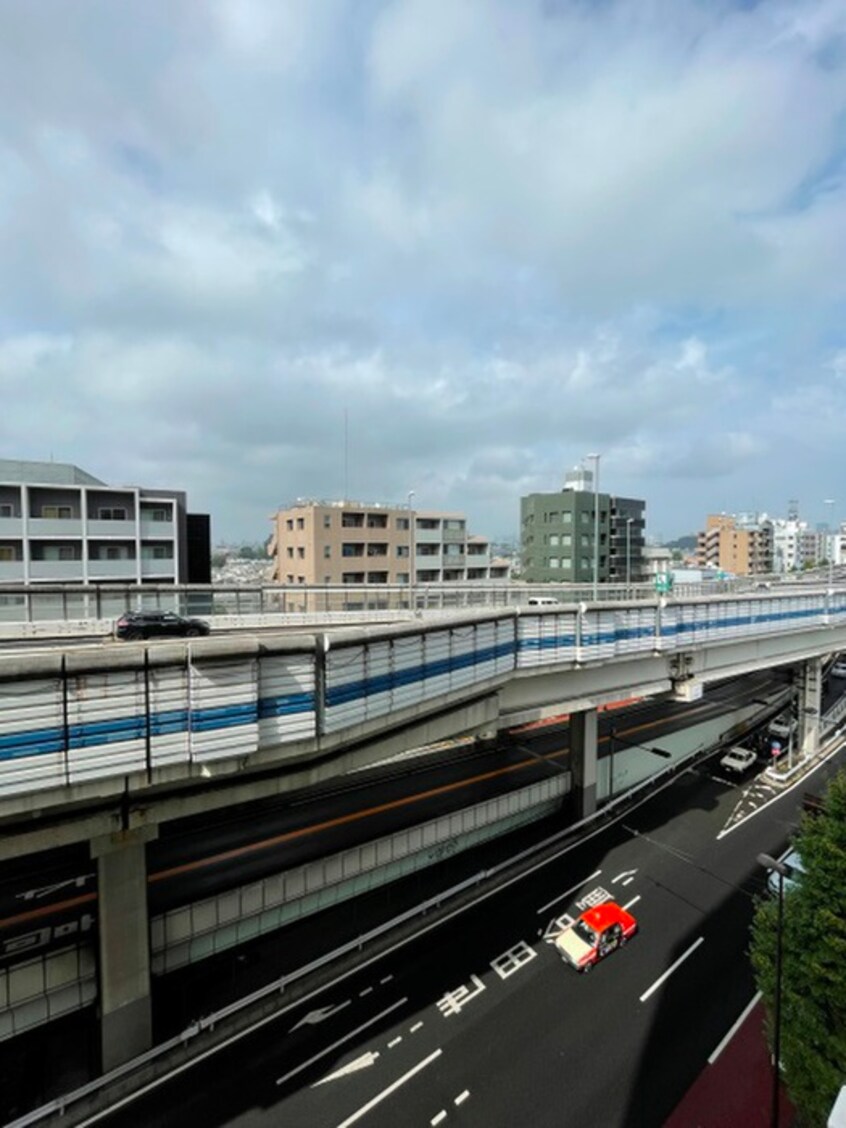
583 730
126 1028
810 705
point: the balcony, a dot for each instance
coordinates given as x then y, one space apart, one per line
59 571
123 529
157 529
114 570
157 569
10 527
11 571
59 527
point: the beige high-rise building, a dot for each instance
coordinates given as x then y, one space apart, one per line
347 542
743 550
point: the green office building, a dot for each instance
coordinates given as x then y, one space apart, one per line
558 532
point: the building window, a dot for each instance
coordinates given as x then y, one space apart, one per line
403 524
352 578
566 540
290 578
112 514
157 515
290 552
402 550
327 520
553 539
377 520
289 525
350 549
352 520
301 522
566 562
327 552
5 511
66 553
57 512
327 580
7 552
585 517
300 553
567 517
554 517
378 549
162 552
112 552
428 523
553 562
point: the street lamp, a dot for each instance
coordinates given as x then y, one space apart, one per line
628 554
829 501
781 869
595 458
412 566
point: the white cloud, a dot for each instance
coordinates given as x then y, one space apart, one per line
491 236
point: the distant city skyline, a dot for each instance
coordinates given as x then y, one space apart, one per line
261 249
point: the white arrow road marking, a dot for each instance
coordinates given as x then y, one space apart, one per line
352 1067
625 877
304 1065
392 1088
315 1016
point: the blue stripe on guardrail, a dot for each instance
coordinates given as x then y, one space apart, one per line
409 675
114 730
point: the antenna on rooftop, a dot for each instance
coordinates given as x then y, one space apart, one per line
346 455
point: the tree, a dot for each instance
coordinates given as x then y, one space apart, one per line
813 997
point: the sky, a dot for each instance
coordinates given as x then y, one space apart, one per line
262 251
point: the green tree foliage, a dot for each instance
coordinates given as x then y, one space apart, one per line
813 1007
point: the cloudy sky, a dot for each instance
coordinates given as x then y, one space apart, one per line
327 248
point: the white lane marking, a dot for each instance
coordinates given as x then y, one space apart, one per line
716 1053
628 881
395 1042
315 1016
352 1067
513 959
633 901
650 990
340 1042
437 1119
462 1097
597 896
387 979
572 889
625 877
454 1001
415 1027
366 991
392 1088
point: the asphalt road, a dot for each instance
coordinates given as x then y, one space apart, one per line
478 1022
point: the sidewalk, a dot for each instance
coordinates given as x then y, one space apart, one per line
735 1089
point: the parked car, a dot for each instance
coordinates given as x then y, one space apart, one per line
595 934
738 759
158 624
838 670
793 862
542 601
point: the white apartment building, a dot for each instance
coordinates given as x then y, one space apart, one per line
59 524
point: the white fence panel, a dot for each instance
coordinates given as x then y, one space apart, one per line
223 705
31 735
286 698
107 724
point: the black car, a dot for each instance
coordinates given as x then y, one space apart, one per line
158 624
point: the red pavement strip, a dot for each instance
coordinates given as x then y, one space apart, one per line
735 1091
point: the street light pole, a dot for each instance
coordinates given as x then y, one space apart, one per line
781 869
596 530
829 501
412 564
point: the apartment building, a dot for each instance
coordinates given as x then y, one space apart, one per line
558 532
59 524
348 542
740 546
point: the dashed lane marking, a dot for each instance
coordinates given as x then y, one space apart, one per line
392 1088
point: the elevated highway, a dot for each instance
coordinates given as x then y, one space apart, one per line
104 746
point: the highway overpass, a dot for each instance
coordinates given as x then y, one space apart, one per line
105 745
